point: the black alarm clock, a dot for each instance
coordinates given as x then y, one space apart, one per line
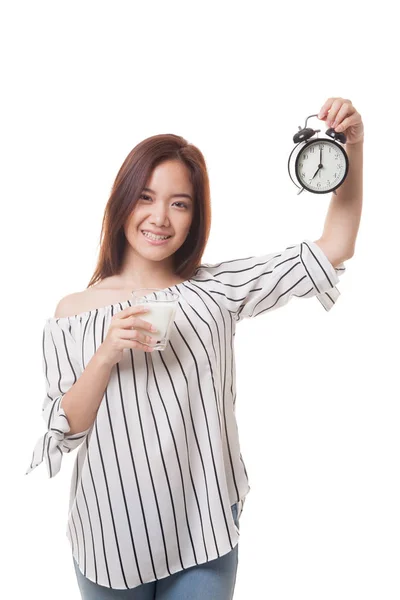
320 164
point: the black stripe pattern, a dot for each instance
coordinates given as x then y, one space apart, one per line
252 286
61 370
156 475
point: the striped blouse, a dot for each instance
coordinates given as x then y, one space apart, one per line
156 474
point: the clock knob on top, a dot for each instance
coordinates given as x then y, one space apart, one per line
336 135
303 135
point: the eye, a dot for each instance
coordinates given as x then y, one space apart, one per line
145 197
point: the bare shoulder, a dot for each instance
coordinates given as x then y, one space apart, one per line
70 305
99 295
108 291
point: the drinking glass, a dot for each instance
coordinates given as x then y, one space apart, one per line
163 305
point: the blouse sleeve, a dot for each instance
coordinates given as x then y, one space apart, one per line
253 286
61 369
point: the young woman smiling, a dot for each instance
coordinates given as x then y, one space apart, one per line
159 481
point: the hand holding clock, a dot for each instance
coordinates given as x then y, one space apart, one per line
343 117
345 129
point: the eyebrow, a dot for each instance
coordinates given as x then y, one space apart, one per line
172 196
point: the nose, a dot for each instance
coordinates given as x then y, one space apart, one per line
159 215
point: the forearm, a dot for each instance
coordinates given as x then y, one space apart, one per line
344 212
82 400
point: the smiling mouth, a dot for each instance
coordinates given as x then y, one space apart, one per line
155 239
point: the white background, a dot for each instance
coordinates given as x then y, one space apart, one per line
318 400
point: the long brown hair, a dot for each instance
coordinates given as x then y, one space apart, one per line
126 190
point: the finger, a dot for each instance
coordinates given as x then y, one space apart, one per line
336 106
342 113
135 345
137 336
142 324
132 310
325 108
352 120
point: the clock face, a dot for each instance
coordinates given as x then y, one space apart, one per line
321 166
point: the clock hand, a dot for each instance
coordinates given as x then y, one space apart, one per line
320 166
316 172
320 157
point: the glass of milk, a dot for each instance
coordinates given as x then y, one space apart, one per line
162 306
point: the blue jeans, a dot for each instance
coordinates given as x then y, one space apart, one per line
213 579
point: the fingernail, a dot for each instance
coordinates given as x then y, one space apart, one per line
153 328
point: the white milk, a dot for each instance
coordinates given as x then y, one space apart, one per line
161 315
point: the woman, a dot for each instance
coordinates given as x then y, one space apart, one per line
159 482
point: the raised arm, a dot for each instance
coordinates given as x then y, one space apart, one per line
342 222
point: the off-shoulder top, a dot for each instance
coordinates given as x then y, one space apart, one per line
156 474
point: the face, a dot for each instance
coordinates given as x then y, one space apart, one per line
166 207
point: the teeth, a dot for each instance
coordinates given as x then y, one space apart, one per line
155 237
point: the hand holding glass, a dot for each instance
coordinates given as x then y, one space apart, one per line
162 305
